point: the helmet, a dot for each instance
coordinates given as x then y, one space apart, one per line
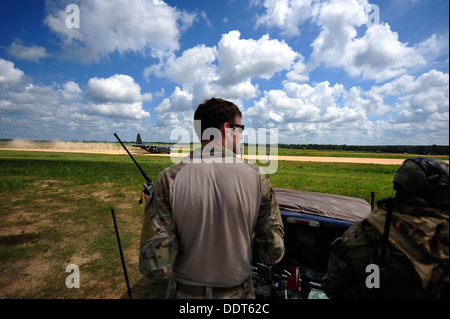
424 177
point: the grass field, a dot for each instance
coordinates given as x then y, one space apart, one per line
55 210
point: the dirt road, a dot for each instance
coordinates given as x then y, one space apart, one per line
386 161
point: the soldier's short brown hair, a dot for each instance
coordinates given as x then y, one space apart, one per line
213 113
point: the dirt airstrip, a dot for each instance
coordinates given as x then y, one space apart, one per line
111 148
386 161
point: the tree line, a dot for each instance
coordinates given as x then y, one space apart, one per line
410 149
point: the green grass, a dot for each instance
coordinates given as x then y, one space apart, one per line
66 198
55 210
326 153
355 180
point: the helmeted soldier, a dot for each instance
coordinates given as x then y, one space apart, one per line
407 257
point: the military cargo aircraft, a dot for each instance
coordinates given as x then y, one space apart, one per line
154 149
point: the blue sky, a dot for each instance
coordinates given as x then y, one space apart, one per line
329 72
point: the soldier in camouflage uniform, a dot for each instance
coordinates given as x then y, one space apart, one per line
209 216
416 259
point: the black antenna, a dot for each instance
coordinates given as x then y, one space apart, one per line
121 254
147 186
372 200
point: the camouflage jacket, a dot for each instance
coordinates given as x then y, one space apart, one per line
162 238
416 264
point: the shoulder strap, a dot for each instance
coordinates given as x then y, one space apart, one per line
387 226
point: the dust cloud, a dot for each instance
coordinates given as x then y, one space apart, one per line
85 146
20 143
63 146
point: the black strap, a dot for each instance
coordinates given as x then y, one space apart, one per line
387 227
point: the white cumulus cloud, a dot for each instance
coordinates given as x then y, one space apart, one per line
286 15
117 88
146 27
225 70
242 59
377 55
31 53
9 75
117 96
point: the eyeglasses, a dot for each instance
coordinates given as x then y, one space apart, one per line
240 126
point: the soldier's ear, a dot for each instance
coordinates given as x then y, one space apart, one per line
226 129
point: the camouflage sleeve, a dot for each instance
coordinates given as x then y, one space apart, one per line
338 274
268 244
346 264
158 246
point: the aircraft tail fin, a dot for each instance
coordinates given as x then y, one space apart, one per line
138 139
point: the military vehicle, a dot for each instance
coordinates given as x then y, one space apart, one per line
312 221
